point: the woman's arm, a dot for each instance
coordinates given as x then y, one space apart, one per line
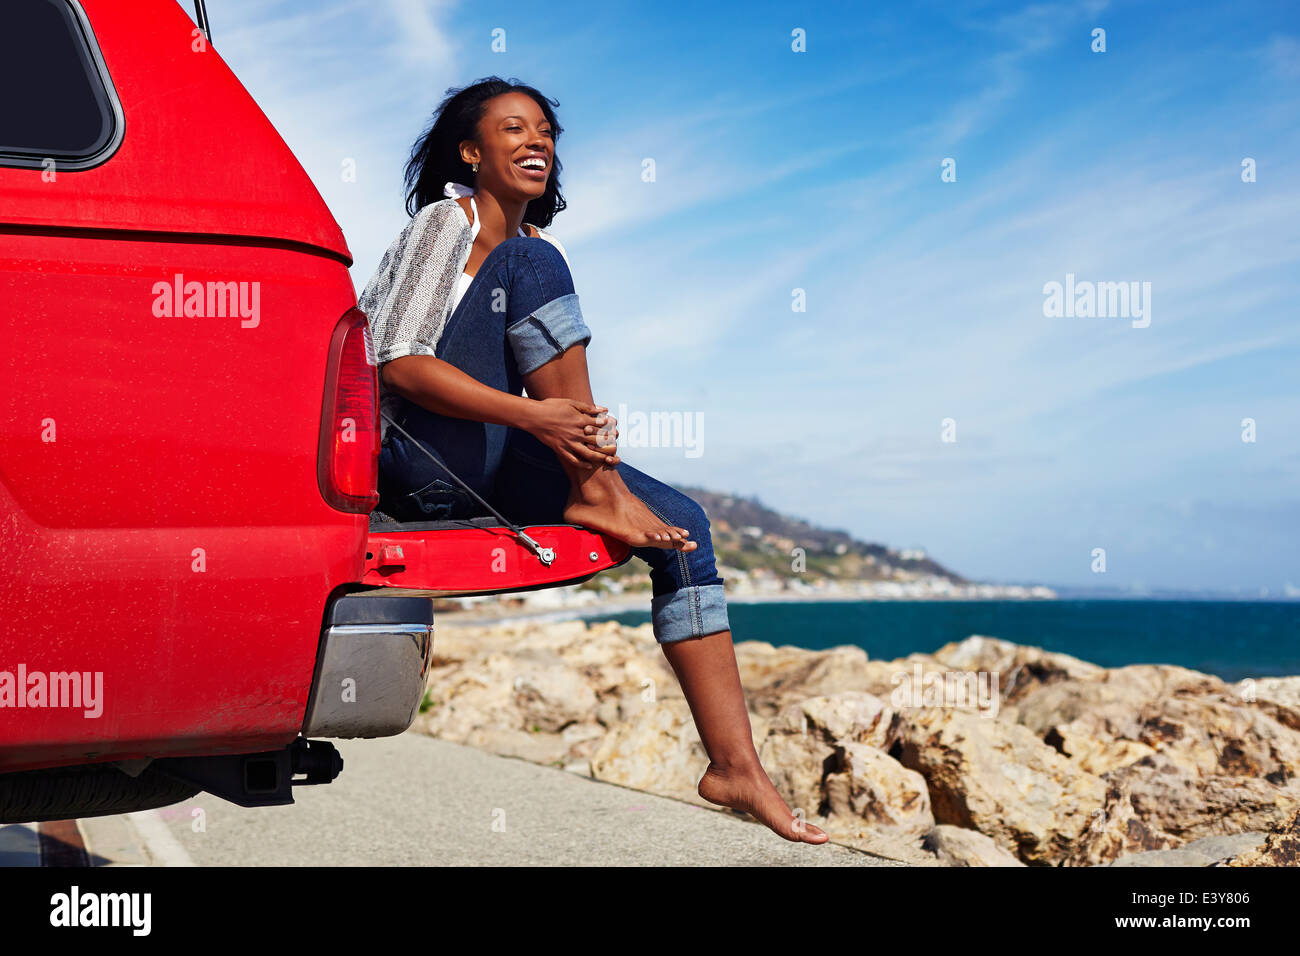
568 427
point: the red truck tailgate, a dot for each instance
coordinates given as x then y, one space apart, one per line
479 556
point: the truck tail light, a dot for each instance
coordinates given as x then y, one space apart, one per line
348 457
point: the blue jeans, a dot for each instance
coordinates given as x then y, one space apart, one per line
520 312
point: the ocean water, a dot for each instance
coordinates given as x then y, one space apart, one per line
1231 639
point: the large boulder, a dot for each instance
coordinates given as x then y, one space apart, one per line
1279 697
1172 798
827 754
1110 701
1122 716
836 718
1093 749
1020 669
774 677
1000 779
659 750
1217 735
1115 830
465 696
796 765
1280 847
868 785
490 684
957 846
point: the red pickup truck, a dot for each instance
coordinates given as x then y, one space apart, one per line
192 582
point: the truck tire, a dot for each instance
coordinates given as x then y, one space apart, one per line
85 790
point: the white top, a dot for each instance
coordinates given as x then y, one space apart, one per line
463 282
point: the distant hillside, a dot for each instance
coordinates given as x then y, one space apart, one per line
751 537
735 520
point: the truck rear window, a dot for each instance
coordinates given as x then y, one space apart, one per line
55 98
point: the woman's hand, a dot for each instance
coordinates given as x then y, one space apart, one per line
578 433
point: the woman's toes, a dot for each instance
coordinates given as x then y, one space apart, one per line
807 833
681 541
659 539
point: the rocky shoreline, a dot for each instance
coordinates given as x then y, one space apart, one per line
982 753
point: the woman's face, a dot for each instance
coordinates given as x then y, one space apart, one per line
515 151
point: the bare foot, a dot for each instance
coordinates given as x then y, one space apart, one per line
752 792
604 503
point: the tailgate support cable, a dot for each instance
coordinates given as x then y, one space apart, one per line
201 16
545 555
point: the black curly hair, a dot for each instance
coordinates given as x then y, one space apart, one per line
435 157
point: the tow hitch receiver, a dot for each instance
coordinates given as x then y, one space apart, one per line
262 779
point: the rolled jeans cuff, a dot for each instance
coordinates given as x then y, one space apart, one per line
689 612
540 337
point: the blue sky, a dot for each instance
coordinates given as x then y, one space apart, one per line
820 171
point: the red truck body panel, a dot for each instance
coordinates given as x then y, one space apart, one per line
158 474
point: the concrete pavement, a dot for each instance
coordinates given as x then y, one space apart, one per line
412 800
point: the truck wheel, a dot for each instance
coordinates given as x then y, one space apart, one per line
85 790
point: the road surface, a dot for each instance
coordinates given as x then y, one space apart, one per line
413 800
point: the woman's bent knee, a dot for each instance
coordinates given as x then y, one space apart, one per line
535 249
543 317
683 511
547 332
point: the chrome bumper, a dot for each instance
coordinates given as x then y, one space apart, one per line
371 666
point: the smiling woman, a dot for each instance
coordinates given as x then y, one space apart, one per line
474 303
